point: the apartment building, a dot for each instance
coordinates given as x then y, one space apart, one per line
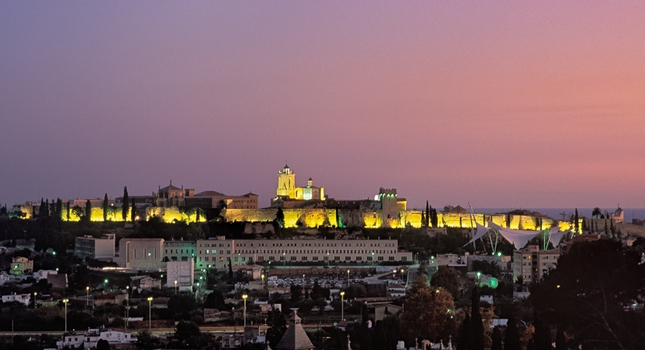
95 248
179 250
531 263
217 252
141 253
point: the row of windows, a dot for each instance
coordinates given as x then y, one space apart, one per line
303 258
270 251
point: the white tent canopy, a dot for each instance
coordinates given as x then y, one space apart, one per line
519 238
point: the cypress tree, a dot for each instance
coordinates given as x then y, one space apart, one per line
41 209
126 204
46 210
466 340
476 318
576 221
105 207
69 209
542 335
59 208
427 218
497 339
512 339
133 213
88 211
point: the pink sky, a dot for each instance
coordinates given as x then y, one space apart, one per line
504 104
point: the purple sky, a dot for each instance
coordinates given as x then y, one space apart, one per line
503 104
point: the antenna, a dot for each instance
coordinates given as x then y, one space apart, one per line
564 214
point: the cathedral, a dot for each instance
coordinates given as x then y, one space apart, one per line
287 190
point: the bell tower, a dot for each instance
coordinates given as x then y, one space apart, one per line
286 183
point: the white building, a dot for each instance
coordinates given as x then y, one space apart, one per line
90 339
141 253
95 248
181 271
217 252
42 274
21 298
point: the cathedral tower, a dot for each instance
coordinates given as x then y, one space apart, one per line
286 183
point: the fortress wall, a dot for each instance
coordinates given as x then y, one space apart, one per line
317 217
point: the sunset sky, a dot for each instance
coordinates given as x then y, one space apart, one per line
501 104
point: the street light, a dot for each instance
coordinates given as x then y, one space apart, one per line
87 297
127 307
284 259
175 286
262 279
149 313
35 300
342 306
348 278
244 297
65 301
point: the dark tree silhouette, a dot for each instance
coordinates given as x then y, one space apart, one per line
126 204
105 207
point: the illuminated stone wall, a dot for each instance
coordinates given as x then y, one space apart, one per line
317 217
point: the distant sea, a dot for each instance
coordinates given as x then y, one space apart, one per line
556 213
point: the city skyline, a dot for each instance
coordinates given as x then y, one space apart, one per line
502 105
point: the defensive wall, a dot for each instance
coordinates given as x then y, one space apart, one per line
321 217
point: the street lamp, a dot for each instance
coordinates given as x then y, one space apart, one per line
348 278
65 301
372 262
127 307
284 259
327 259
35 300
87 296
262 279
175 286
342 306
244 297
149 313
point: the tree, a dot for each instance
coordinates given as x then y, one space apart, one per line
497 339
448 278
428 312
88 211
146 341
576 221
126 204
476 318
279 218
512 339
587 295
105 207
133 212
596 213
466 340
542 336
102 344
59 209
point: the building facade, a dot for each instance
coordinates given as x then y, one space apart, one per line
141 253
217 252
95 248
179 250
180 275
531 263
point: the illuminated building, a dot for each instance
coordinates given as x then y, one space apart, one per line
216 252
287 190
214 199
531 263
21 265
